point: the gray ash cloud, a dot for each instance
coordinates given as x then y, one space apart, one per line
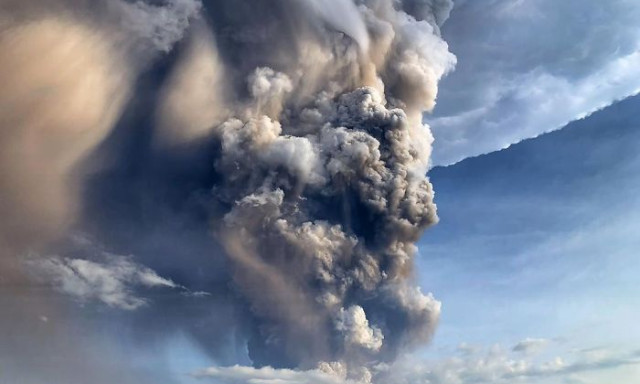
270 153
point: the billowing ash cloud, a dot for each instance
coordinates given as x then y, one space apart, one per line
270 152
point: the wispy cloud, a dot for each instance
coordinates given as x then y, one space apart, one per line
497 365
494 365
113 281
520 60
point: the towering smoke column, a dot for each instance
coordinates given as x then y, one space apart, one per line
306 117
322 165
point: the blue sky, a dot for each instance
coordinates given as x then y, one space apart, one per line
526 67
535 260
540 241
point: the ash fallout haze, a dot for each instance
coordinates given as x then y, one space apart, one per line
233 191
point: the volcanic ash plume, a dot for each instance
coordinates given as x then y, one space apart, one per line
67 68
307 117
60 95
322 162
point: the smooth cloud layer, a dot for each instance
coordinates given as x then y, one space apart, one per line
530 67
519 245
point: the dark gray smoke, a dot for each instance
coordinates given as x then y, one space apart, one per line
265 158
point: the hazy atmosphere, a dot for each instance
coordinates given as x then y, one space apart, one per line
319 191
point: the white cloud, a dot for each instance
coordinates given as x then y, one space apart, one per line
497 366
530 67
112 282
267 375
354 325
494 365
